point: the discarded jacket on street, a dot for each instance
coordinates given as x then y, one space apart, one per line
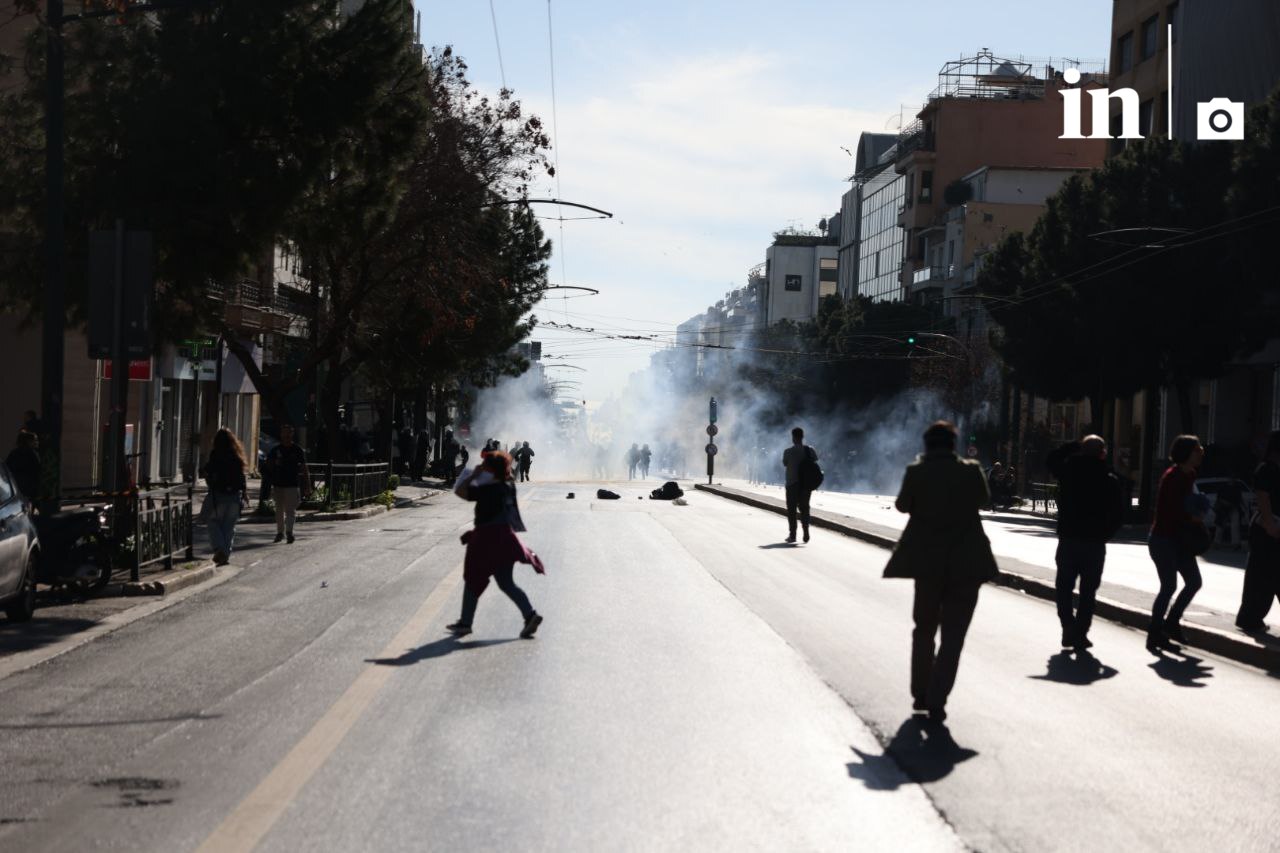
668 492
606 495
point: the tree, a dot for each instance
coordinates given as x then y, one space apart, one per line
1080 316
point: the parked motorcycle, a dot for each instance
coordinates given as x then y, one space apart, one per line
75 549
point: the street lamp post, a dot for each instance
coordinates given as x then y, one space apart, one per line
54 320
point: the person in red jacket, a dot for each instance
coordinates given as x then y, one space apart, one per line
1171 543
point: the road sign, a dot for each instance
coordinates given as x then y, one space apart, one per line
712 450
713 430
972 452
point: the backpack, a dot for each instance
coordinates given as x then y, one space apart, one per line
668 492
811 475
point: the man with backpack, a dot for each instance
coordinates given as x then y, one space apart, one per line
803 476
1090 512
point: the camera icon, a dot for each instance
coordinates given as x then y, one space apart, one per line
1220 118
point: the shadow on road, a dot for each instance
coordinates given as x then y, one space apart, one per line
923 751
1184 671
39 632
1079 668
93 724
773 545
437 649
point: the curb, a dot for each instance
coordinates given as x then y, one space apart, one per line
1222 643
169 581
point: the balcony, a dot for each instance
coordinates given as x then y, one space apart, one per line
932 276
245 308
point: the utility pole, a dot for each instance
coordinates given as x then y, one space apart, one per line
55 308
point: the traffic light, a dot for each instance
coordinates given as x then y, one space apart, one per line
713 410
911 339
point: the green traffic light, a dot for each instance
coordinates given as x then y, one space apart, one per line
911 340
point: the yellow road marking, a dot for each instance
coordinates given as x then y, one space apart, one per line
258 812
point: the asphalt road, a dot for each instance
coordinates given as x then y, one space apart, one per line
694 686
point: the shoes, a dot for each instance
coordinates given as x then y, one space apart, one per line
1082 643
937 715
791 539
1256 628
458 629
220 558
289 538
1159 642
918 706
530 626
806 534
279 537
1068 638
1174 632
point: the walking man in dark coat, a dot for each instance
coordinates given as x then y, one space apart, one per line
793 459
945 551
1090 511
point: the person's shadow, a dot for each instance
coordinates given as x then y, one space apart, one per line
920 751
437 649
1081 668
773 545
1184 670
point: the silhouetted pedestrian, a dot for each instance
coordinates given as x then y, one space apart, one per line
633 460
795 459
24 464
1262 571
493 548
1090 512
224 475
646 456
945 551
1177 536
524 459
290 481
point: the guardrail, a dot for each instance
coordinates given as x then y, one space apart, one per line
1045 494
354 485
159 521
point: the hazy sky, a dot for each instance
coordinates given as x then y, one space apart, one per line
705 126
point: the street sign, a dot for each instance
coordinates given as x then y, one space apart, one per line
139 369
972 452
712 450
712 430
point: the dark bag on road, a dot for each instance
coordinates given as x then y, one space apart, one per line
811 475
606 495
668 492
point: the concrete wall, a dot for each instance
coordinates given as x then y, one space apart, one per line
802 261
1018 186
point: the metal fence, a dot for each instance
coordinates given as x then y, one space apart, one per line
354 485
1045 495
162 527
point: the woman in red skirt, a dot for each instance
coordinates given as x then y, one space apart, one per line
493 548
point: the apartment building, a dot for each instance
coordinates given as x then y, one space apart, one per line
985 111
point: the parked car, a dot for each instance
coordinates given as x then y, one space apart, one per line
1224 493
19 550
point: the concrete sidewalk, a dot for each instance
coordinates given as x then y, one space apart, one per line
1024 547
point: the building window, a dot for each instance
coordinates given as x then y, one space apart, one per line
926 186
794 282
1124 53
1173 18
1146 114
1150 36
911 188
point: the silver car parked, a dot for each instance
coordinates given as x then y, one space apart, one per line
19 549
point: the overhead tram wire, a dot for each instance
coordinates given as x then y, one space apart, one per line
493 14
555 151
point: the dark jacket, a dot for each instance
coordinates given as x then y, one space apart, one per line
224 472
944 537
24 464
1090 500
